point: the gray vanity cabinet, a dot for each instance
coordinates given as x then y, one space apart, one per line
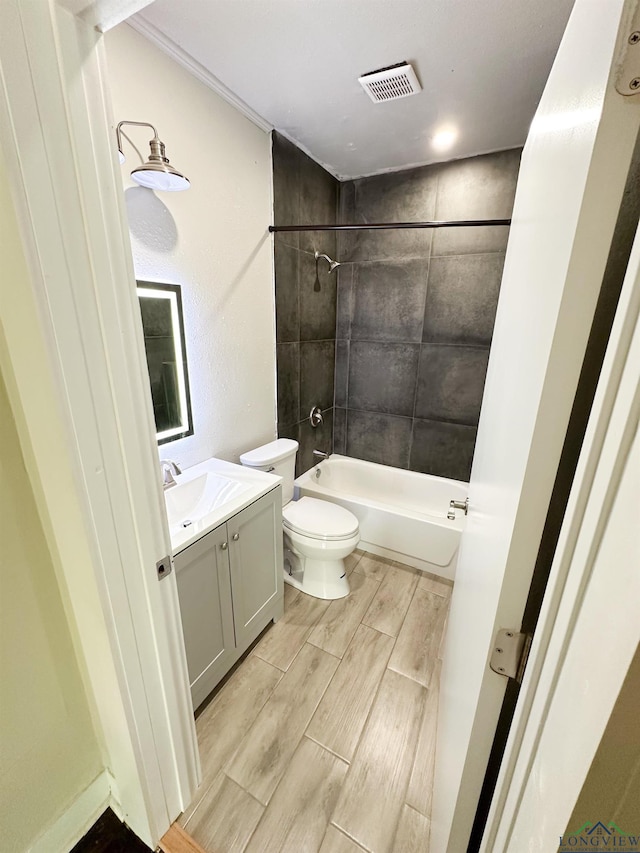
204 591
255 555
230 587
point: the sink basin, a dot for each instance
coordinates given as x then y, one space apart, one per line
189 502
208 494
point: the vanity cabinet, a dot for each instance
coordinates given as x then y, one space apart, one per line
230 587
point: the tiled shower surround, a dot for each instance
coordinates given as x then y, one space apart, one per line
416 310
414 315
305 319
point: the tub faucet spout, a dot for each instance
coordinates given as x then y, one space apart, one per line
321 454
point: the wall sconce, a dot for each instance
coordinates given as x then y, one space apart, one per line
156 173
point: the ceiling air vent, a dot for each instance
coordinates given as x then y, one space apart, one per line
391 83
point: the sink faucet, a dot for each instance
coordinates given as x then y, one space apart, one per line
169 468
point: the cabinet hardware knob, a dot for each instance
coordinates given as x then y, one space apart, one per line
224 546
235 537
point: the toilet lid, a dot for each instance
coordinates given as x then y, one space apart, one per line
319 519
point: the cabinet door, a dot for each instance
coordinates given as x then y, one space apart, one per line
255 554
204 591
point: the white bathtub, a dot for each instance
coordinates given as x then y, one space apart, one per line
402 515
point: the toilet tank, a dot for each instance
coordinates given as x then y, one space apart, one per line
278 457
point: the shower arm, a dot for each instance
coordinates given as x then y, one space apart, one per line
333 265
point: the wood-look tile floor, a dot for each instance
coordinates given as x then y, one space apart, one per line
323 738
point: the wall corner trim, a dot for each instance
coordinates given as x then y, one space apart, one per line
180 56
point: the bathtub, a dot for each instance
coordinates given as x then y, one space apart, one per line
402 515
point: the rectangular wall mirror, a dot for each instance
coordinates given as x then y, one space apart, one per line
163 328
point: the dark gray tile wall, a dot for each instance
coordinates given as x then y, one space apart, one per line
415 313
304 193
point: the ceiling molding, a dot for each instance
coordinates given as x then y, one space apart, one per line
180 56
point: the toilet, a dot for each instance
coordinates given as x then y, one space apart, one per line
318 535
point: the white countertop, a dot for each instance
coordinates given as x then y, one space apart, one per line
246 485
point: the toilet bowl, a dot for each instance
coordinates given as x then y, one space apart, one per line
318 535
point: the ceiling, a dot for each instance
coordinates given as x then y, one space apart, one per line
295 63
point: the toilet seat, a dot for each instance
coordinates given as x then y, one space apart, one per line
318 519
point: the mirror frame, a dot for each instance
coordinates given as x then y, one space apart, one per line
172 292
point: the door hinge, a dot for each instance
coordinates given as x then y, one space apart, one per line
164 567
510 653
628 61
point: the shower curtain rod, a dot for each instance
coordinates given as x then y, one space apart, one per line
385 226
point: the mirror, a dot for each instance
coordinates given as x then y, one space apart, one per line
161 310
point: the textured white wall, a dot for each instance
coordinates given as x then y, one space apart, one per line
212 240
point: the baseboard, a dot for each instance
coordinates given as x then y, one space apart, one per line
72 825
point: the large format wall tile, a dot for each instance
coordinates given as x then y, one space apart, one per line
287 298
451 382
288 381
408 196
462 298
317 307
342 373
286 185
442 449
340 431
318 206
317 368
389 299
379 438
343 308
304 193
382 377
476 188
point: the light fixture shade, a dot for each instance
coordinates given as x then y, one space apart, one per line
121 157
156 177
157 173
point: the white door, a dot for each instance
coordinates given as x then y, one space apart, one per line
571 180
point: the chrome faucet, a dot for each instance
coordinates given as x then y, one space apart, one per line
169 468
454 505
321 454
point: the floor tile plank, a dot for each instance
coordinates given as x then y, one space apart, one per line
263 755
373 567
352 561
337 842
374 792
227 817
232 711
416 650
283 641
340 718
390 604
420 790
413 832
337 625
297 816
439 587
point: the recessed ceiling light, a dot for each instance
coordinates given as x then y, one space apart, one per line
444 139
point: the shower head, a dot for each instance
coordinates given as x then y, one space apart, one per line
332 264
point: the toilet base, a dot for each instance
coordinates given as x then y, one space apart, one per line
325 579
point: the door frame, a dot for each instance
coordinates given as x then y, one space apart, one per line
71 348
564 646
